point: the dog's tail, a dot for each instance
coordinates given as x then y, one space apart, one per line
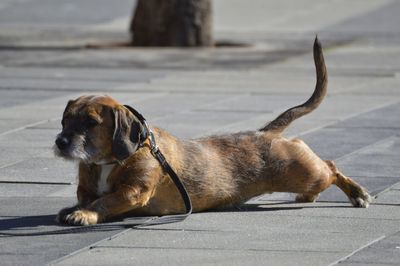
283 121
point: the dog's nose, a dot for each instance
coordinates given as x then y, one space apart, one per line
62 142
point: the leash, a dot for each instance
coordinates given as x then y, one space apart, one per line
155 151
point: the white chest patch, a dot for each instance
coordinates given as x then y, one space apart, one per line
102 185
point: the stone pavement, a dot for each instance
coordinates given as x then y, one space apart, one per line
196 92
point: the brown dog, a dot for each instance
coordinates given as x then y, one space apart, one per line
117 176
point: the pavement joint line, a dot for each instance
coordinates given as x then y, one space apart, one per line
28 126
56 261
387 189
357 250
366 147
220 249
36 183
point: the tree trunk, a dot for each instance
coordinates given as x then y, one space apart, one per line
172 23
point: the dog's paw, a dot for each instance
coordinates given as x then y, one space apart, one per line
362 200
62 215
82 217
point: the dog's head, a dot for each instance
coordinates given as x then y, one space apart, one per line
97 129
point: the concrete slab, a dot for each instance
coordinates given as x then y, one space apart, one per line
391 196
195 124
38 169
90 74
385 251
31 220
36 190
153 256
274 229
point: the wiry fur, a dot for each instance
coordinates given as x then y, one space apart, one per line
218 170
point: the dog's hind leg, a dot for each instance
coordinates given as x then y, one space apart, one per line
357 195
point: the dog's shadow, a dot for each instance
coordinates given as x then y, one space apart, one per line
47 225
27 222
41 225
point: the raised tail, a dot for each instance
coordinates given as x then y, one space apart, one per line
283 120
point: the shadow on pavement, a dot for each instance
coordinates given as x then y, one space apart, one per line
42 225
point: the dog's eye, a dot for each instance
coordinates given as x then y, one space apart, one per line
91 122
64 121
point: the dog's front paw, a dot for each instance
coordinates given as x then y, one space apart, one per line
62 215
82 217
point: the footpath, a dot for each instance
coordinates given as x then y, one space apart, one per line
44 62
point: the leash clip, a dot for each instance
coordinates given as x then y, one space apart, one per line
153 144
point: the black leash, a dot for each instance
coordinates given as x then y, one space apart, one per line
155 151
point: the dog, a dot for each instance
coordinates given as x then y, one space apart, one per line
118 174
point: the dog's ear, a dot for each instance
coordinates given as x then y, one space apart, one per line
126 137
66 110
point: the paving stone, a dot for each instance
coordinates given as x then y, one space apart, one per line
269 232
35 190
40 170
56 85
375 165
171 104
195 124
333 143
35 217
85 74
392 196
397 186
252 103
385 87
153 256
8 124
370 170
17 97
11 155
269 238
385 251
373 119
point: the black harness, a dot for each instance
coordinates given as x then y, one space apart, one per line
155 151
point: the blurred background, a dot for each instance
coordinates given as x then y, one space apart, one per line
72 23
